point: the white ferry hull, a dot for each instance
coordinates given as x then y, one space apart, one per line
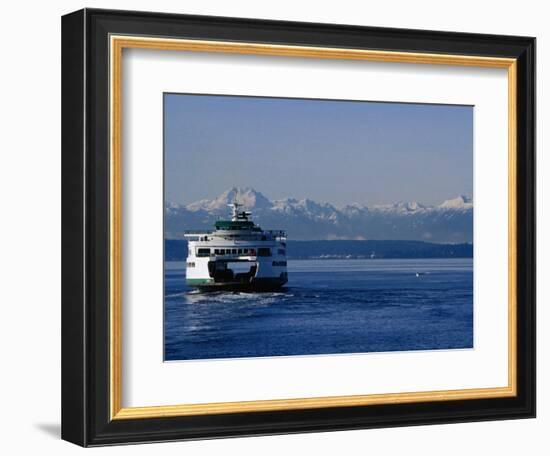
220 274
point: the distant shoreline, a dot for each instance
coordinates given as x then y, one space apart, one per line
176 250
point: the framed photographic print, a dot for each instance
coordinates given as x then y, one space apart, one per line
277 227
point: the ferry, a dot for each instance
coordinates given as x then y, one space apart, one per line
237 255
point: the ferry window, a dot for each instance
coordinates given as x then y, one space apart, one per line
240 251
234 251
245 250
203 252
190 265
252 252
222 252
216 251
263 251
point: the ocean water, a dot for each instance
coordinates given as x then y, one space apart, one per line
328 307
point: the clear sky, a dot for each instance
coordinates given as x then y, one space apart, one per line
340 152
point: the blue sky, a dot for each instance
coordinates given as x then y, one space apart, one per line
335 151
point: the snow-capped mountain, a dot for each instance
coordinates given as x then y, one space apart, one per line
248 197
459 203
450 221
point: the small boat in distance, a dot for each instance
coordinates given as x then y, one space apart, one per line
236 255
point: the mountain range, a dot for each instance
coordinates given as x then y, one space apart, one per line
305 219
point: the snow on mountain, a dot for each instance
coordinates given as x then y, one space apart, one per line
460 202
248 197
305 207
451 221
402 207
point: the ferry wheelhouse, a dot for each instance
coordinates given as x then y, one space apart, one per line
236 255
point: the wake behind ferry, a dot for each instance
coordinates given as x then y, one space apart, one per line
236 255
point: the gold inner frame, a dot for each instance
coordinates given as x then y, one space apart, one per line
117 44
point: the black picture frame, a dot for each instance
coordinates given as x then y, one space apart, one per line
85 228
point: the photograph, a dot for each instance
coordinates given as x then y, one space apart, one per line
299 227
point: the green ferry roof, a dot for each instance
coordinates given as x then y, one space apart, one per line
236 225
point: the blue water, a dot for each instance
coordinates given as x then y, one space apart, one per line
329 306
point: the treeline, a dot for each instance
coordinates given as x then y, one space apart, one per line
176 249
